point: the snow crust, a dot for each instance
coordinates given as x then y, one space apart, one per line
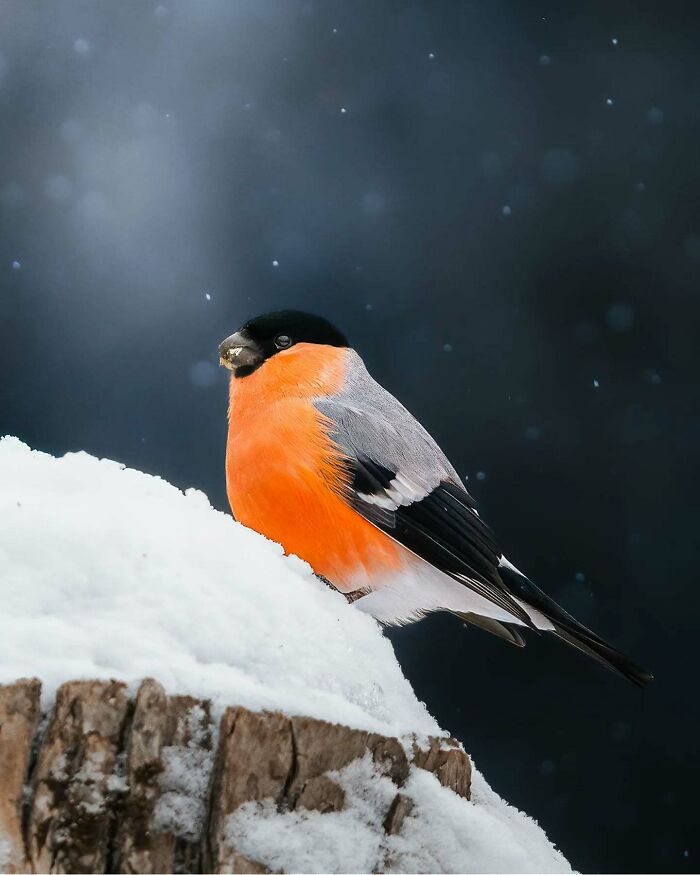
443 833
107 572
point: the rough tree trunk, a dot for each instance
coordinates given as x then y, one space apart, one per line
105 783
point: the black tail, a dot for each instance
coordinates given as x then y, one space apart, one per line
570 630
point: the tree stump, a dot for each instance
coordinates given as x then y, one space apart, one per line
107 783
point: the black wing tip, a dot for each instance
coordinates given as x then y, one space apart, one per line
638 675
602 652
570 630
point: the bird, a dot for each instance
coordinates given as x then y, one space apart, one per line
325 461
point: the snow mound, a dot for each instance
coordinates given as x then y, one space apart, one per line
111 573
106 572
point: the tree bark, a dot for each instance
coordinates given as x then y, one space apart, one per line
107 783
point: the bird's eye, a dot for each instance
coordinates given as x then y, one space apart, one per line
282 341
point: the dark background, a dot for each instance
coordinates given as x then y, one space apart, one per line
514 256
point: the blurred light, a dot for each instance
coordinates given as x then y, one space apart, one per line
275 263
506 210
614 41
533 433
596 384
620 318
545 60
447 347
16 265
609 101
203 374
480 475
559 167
373 203
655 116
81 46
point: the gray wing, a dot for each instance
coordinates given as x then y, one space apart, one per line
368 420
401 482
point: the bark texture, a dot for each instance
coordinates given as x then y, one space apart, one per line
107 783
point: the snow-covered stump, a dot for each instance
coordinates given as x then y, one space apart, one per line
112 575
106 783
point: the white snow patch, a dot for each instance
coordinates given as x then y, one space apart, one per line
443 833
181 808
5 854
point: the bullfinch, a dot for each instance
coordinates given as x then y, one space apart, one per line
325 461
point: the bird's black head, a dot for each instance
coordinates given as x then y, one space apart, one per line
264 336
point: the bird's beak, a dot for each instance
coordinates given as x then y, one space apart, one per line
239 351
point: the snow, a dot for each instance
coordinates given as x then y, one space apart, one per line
181 807
443 833
120 575
112 573
5 850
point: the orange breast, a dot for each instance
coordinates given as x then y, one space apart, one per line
284 475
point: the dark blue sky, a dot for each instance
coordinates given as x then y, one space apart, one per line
499 204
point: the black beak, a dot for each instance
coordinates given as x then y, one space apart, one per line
239 351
